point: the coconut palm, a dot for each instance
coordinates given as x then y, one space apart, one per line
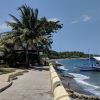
26 27
30 28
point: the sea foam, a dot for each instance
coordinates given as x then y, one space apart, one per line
87 86
63 68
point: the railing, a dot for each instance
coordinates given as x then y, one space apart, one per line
58 90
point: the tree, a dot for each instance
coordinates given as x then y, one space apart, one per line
29 28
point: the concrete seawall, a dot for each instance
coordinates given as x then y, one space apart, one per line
58 90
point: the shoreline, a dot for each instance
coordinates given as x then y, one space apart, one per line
66 59
70 84
76 92
73 85
69 79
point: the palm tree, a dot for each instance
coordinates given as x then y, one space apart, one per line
30 28
26 27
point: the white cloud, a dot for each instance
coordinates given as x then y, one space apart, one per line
86 18
74 22
83 18
4 27
53 19
11 20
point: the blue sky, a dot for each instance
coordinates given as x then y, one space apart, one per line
80 19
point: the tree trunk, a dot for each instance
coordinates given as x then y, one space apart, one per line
27 57
38 58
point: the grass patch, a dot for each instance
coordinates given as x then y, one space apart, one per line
6 70
4 66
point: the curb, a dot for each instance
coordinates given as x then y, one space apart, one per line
7 86
58 89
10 80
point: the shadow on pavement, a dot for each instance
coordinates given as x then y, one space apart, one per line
40 68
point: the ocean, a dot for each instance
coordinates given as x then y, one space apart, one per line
88 80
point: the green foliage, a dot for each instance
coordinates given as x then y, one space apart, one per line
30 30
6 70
30 27
74 54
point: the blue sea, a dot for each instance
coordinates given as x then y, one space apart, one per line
88 80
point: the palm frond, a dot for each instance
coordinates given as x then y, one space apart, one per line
15 19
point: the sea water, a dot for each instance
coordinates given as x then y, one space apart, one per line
88 80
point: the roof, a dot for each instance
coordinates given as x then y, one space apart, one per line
97 58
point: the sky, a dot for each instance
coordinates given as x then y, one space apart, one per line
80 19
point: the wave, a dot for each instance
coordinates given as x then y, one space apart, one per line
62 68
87 86
57 62
79 76
94 91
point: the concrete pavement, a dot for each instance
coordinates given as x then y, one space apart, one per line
34 85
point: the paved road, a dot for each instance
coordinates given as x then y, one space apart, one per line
34 85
